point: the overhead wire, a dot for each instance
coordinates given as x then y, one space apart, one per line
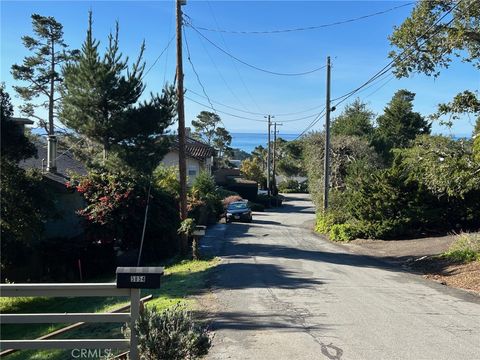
231 60
389 66
252 98
306 28
158 57
312 124
196 73
225 112
249 112
172 17
250 65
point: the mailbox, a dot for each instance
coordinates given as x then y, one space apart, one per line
139 277
199 230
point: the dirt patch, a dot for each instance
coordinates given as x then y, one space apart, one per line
446 272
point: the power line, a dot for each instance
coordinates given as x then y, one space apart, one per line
251 112
312 124
231 60
224 112
250 65
196 73
227 106
386 68
389 66
158 58
315 27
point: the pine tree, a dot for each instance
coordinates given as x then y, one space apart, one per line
100 102
41 70
399 124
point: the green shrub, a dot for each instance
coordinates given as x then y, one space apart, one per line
187 227
466 248
324 222
288 185
204 184
165 177
256 206
171 334
342 232
291 186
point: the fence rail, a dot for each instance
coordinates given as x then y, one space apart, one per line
73 290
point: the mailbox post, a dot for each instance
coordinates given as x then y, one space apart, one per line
199 231
135 279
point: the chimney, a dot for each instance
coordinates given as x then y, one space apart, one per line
52 153
188 132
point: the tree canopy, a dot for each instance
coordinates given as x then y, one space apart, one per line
425 42
41 70
355 120
399 124
100 102
207 129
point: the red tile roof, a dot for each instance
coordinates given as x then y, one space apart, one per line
195 149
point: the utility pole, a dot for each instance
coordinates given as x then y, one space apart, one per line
182 162
274 178
326 169
269 156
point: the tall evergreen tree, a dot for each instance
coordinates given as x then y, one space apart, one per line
399 124
100 102
41 70
355 120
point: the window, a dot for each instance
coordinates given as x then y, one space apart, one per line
192 172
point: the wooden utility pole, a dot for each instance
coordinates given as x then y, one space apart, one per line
182 162
274 177
326 168
269 155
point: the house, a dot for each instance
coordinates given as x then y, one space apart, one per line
66 223
21 122
199 157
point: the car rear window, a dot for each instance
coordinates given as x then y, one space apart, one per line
237 206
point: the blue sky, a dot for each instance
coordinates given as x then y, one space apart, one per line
357 49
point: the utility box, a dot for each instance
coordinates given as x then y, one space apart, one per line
139 277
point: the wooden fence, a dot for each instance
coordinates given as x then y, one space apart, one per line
73 290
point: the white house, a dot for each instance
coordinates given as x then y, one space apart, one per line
199 157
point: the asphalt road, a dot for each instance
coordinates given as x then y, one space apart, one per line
281 292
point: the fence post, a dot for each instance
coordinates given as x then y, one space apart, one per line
134 315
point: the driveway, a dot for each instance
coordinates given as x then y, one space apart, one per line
281 292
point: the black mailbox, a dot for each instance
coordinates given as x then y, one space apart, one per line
139 277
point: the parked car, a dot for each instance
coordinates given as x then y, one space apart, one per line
238 211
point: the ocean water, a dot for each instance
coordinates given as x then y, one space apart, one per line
248 141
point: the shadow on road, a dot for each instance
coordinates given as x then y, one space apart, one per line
254 275
248 321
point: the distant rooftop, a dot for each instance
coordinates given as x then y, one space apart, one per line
195 149
24 121
66 164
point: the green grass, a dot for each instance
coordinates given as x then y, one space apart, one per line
466 248
181 280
